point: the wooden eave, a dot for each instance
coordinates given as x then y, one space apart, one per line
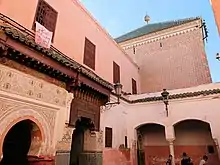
16 46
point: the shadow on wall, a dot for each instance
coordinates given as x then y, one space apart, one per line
153 147
195 138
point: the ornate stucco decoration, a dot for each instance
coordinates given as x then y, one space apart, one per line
22 84
11 111
65 143
69 100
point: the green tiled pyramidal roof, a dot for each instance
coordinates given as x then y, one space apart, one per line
154 27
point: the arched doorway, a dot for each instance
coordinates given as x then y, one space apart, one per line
195 138
82 124
22 140
153 144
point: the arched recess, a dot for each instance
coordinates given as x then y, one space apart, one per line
23 140
140 124
191 118
153 148
194 137
17 115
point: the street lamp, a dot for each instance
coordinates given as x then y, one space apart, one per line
165 96
118 90
218 56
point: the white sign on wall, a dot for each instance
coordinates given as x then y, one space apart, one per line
43 36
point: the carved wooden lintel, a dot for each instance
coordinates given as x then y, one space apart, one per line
86 103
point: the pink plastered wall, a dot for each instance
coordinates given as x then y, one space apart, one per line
74 23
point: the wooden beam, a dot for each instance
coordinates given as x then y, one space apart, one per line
39 57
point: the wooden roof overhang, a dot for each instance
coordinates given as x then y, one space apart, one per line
20 47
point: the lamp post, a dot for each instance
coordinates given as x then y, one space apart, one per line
165 96
118 90
218 56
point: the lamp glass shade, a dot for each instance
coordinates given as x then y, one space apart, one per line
165 94
118 89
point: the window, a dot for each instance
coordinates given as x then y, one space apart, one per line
46 16
108 137
161 45
134 87
89 54
211 150
116 73
126 142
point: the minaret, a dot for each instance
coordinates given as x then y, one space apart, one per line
147 18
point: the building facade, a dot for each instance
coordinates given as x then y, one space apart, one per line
142 132
101 60
216 8
48 95
170 54
44 97
53 96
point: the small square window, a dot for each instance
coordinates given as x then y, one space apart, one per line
108 137
89 54
211 149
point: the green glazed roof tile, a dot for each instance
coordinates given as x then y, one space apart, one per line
150 28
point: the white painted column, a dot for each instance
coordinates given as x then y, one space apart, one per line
216 141
171 146
170 137
215 134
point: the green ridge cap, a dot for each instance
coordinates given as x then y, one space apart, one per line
154 27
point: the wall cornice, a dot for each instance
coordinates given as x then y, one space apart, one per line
160 35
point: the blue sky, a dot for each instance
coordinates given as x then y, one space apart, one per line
121 16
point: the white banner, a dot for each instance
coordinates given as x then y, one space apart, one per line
43 36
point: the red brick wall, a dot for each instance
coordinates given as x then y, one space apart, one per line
179 63
116 157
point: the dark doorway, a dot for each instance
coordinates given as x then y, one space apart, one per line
77 146
17 144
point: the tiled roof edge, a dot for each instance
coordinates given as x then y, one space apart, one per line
27 40
174 96
179 20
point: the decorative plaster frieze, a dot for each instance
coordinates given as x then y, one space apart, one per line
69 99
16 82
65 143
93 142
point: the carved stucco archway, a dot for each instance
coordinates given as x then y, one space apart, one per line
14 116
